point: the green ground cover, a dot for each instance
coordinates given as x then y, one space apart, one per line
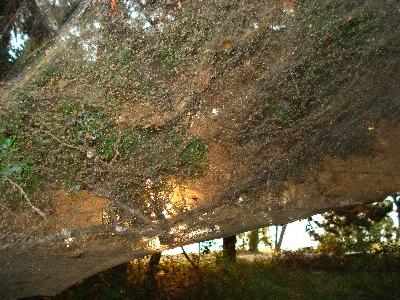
291 275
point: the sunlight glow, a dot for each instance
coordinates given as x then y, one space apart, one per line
17 43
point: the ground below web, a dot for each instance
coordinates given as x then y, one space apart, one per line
293 275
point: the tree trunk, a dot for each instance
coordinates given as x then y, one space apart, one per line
396 200
229 249
253 241
123 268
278 243
151 282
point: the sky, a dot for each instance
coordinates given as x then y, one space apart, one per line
295 237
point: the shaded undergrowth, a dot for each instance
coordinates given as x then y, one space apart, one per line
291 275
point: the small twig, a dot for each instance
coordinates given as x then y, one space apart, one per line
196 267
89 152
113 217
60 141
116 146
65 144
21 190
133 212
295 84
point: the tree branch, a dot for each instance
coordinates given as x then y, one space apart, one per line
133 212
65 144
116 146
21 190
295 84
196 267
89 152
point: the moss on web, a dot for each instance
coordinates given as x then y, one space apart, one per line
18 163
194 156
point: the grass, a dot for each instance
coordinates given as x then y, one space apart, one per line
293 275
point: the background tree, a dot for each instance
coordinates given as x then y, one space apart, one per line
278 241
251 240
396 201
229 248
23 22
355 229
25 26
151 285
254 239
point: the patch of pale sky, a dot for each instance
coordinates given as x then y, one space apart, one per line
17 43
294 238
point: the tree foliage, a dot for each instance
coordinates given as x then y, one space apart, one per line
354 229
24 28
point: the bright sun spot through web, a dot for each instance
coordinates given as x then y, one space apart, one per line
17 42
